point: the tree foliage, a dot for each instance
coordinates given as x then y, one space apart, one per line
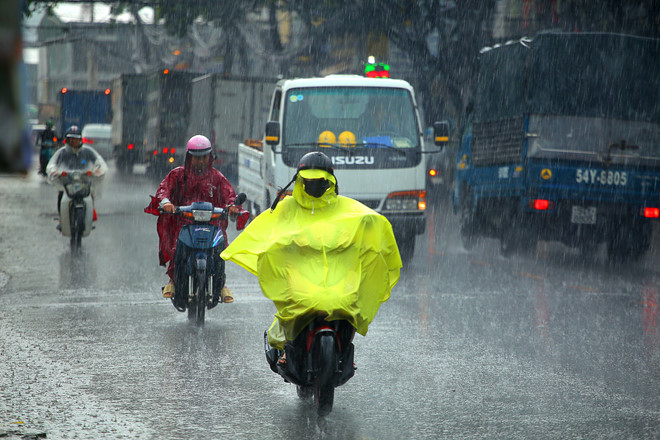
442 38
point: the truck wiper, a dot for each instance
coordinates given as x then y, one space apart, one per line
325 144
620 146
401 151
350 150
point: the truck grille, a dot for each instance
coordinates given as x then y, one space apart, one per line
373 204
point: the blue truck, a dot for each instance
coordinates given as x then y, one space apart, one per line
82 107
562 143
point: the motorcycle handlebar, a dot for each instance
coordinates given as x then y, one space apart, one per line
217 213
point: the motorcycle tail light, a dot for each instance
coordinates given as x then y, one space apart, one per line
64 173
89 173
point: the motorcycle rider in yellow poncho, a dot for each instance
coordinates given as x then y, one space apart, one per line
318 253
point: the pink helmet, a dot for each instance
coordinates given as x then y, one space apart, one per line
199 145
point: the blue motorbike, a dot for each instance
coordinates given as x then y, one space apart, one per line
199 273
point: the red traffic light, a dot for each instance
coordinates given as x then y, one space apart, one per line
107 91
64 90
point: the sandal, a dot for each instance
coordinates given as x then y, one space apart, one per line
282 359
226 295
168 290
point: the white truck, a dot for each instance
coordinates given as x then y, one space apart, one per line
371 130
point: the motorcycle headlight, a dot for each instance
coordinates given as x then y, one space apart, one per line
202 216
74 187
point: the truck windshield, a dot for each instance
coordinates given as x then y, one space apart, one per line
350 117
563 134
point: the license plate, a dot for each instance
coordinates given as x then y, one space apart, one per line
583 215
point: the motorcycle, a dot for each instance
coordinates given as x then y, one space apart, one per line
199 274
76 206
318 360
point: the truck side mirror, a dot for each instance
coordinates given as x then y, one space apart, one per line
272 133
441 133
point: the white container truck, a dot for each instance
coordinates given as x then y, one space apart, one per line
371 130
228 111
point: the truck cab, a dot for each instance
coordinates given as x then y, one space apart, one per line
369 127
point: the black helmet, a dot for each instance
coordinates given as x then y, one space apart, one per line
73 132
316 161
310 161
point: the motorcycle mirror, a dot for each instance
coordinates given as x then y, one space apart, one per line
240 199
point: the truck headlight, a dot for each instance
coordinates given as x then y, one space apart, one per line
406 201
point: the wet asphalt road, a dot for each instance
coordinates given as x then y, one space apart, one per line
471 345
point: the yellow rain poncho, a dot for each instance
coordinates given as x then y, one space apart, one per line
329 255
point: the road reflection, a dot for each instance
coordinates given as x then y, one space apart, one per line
77 270
650 318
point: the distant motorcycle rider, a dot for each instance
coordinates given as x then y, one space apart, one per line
47 143
75 156
196 181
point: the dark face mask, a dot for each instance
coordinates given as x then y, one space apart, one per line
316 187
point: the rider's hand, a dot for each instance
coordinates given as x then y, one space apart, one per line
168 207
233 212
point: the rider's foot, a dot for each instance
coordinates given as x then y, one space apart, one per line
272 354
227 296
168 291
59 227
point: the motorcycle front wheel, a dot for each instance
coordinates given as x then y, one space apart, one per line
324 387
304 392
197 307
77 228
